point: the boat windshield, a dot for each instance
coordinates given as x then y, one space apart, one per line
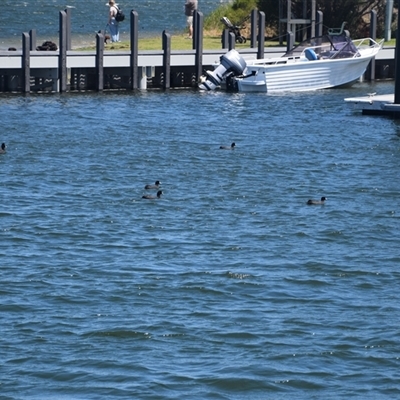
327 46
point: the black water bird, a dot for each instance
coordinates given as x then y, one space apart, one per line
231 147
150 197
155 186
3 148
316 202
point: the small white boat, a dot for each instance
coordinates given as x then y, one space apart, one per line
318 63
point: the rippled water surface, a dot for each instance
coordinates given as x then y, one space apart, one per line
229 286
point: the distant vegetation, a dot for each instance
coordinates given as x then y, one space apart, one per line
355 12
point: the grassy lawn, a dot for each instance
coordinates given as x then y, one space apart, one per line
178 42
181 42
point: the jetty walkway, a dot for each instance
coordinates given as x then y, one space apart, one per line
29 70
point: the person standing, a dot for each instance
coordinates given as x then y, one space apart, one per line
190 7
112 22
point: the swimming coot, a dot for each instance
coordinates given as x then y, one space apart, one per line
231 147
150 197
155 186
316 202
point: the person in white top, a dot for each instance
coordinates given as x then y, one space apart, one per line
112 22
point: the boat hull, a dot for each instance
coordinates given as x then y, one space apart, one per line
302 75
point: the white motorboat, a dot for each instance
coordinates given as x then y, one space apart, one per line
319 63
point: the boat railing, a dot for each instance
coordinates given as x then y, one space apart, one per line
368 42
341 49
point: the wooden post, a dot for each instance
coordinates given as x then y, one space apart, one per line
397 61
319 23
134 49
253 28
166 44
232 40
99 62
370 72
199 44
26 65
68 11
313 12
62 58
32 39
194 34
289 41
261 34
225 38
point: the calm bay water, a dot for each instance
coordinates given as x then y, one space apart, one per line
89 16
229 286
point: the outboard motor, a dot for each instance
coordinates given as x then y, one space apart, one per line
231 63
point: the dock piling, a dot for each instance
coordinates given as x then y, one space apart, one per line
370 72
99 62
253 28
166 44
26 75
261 34
199 44
32 39
134 21
62 60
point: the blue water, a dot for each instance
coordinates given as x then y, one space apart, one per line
229 286
89 16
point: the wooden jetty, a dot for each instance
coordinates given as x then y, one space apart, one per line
64 70
385 104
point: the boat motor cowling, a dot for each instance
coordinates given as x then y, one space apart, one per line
231 63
